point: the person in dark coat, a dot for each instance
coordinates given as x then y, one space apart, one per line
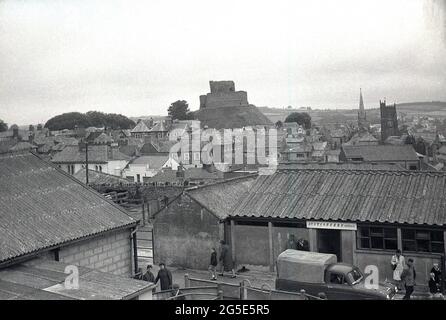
149 276
409 276
226 262
433 287
164 277
291 243
437 272
213 264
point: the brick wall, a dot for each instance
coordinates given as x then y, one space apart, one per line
109 253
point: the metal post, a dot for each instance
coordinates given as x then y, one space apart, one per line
186 280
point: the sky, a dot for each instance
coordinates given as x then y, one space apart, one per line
136 57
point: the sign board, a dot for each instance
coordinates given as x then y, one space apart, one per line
331 225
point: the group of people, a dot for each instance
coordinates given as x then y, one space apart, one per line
405 274
164 276
299 244
225 260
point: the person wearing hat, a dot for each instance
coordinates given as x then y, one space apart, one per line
164 277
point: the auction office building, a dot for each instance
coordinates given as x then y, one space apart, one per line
362 216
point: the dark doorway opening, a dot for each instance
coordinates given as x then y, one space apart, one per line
329 241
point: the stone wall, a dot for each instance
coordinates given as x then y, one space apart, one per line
184 234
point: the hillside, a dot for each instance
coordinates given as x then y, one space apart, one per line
231 117
432 109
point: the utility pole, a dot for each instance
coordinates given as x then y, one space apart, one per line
86 162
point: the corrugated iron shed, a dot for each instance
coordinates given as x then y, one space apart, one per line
41 207
412 197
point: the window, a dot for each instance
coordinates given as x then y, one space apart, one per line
197 156
186 156
100 168
380 238
422 240
390 124
412 167
336 278
138 178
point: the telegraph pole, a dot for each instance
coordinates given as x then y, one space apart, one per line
86 162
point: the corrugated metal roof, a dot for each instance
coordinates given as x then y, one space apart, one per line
348 195
41 279
219 198
41 207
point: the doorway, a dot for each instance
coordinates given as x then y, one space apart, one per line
329 241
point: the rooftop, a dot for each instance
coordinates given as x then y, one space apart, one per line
42 207
412 197
381 152
96 154
220 197
41 279
99 178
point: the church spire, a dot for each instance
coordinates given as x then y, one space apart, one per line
361 102
362 119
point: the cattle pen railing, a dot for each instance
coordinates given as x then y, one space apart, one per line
245 291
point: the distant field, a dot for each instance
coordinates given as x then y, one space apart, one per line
433 109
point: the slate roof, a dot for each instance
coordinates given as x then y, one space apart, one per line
99 178
381 152
221 197
412 197
154 162
41 207
96 154
191 174
142 126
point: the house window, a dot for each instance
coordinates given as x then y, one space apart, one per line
417 240
186 157
96 168
197 156
138 178
71 169
100 168
380 238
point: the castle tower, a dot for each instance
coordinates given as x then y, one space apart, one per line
389 121
362 118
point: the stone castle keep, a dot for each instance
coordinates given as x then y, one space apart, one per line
223 94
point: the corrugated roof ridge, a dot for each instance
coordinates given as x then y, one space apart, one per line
91 190
220 182
366 171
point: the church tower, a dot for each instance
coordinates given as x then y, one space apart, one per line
389 121
362 118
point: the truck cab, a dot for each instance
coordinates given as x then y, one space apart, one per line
320 273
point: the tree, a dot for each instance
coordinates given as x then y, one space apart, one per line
279 124
179 110
3 126
72 120
302 119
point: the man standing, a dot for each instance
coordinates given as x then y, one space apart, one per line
408 276
398 264
291 242
226 259
165 277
